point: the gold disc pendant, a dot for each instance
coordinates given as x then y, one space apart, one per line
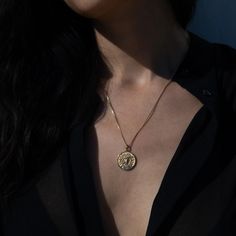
126 160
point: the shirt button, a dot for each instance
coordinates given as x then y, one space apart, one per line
206 92
185 70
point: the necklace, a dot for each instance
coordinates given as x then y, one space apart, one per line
127 160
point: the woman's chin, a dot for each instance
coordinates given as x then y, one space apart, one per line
89 8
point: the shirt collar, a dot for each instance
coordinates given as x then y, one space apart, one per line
198 72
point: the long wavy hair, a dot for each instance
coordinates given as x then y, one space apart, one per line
50 69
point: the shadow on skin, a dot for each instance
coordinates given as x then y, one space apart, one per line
92 155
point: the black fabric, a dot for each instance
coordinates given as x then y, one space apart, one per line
197 195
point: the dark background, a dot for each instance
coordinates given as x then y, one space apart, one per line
215 20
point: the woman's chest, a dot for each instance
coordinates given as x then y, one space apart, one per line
126 197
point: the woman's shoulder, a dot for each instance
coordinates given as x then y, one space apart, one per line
223 53
213 65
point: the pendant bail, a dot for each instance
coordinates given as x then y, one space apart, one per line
128 148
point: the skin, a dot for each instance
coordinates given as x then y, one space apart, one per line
125 27
143 46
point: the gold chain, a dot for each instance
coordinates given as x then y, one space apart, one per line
129 146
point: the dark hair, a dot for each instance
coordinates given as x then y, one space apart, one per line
50 68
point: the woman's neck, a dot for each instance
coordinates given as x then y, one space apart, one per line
141 42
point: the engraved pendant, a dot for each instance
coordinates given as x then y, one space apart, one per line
126 160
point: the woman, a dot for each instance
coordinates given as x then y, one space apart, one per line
115 120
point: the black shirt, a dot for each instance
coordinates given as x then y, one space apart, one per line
197 195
